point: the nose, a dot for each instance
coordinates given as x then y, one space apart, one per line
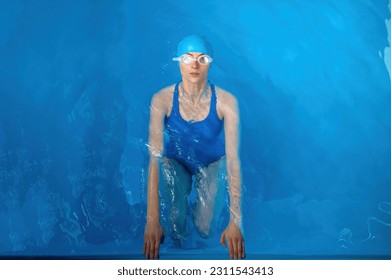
195 64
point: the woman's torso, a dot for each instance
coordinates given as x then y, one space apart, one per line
194 144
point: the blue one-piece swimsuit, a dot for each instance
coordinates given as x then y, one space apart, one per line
194 144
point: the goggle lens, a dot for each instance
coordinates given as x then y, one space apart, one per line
188 59
204 59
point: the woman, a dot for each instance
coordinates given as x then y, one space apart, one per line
193 130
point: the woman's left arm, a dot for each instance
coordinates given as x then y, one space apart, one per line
233 234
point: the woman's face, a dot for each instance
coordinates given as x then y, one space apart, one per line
194 72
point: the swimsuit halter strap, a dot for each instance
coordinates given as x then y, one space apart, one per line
176 99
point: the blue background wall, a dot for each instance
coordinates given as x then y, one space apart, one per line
313 82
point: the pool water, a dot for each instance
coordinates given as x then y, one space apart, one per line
312 79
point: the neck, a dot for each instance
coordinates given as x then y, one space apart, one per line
193 92
193 88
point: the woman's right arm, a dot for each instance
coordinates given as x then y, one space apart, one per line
153 230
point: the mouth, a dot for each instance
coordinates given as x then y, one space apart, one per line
194 74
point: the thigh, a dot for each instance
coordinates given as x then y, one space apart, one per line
210 186
210 183
177 179
208 180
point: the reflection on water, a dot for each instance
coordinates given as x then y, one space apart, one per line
345 238
378 227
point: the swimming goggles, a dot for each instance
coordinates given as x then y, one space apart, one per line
188 59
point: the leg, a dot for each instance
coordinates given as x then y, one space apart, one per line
178 182
208 191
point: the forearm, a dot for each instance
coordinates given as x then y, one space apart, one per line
153 192
235 191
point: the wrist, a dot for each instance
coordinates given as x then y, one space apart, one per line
236 220
153 219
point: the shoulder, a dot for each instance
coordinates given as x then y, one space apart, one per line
226 100
163 98
163 94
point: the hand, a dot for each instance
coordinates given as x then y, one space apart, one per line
152 238
234 238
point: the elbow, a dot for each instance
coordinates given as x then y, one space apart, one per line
154 152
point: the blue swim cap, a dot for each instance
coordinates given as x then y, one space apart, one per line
194 43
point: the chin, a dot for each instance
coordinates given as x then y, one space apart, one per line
196 79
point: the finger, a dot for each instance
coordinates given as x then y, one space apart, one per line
242 249
151 251
157 245
235 248
230 248
146 251
146 248
222 242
